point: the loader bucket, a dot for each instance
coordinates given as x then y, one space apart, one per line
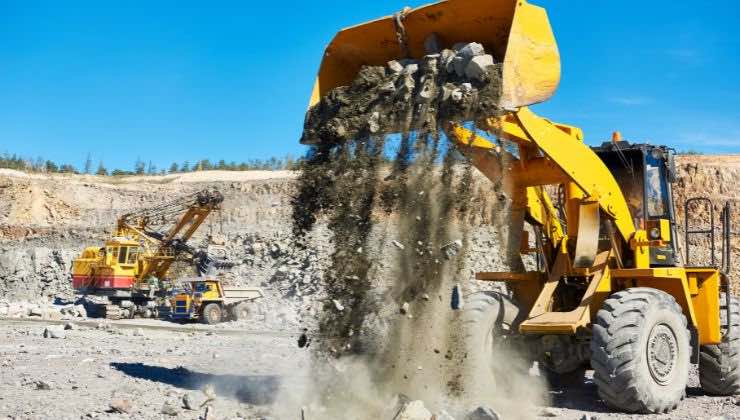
515 32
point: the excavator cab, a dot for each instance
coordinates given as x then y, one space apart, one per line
644 173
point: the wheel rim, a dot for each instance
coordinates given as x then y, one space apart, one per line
215 313
662 353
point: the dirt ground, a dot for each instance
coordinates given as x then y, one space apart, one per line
154 364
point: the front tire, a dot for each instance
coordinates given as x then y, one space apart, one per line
212 314
719 365
640 351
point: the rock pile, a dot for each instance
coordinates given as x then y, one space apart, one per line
459 84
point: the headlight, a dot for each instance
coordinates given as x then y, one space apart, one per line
655 233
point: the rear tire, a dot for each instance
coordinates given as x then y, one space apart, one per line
490 319
640 351
241 311
212 314
719 365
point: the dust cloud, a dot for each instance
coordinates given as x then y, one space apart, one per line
396 194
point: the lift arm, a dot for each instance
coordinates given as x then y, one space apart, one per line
562 158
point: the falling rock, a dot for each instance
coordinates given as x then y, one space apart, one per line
374 122
69 326
414 410
471 50
338 305
426 93
478 67
451 249
120 405
388 87
456 301
405 308
398 245
457 95
458 65
54 332
411 68
482 413
395 66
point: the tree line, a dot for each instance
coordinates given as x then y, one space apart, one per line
142 167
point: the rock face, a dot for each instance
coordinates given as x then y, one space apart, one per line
45 221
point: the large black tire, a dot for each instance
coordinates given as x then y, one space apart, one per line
240 311
719 365
490 317
640 351
212 314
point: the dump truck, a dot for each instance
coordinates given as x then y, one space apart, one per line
130 272
208 301
612 291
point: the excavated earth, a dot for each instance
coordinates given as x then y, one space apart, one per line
144 368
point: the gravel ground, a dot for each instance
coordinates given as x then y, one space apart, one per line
80 375
153 368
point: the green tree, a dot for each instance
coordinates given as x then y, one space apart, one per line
139 167
88 163
186 166
67 169
101 170
51 167
173 168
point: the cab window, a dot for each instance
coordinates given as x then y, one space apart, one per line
201 287
133 254
122 254
657 187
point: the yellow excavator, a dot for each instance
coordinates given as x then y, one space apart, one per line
131 272
612 292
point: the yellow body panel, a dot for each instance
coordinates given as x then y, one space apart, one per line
704 287
513 31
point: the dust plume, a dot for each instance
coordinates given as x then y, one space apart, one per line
399 207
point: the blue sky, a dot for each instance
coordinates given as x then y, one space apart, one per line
176 80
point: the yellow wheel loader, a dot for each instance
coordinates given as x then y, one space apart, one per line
612 292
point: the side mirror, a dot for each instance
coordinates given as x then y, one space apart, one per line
671 167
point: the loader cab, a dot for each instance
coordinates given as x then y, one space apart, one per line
644 173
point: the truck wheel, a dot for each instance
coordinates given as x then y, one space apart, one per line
719 365
212 314
640 351
489 318
240 311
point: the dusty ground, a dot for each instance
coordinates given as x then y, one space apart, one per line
92 367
